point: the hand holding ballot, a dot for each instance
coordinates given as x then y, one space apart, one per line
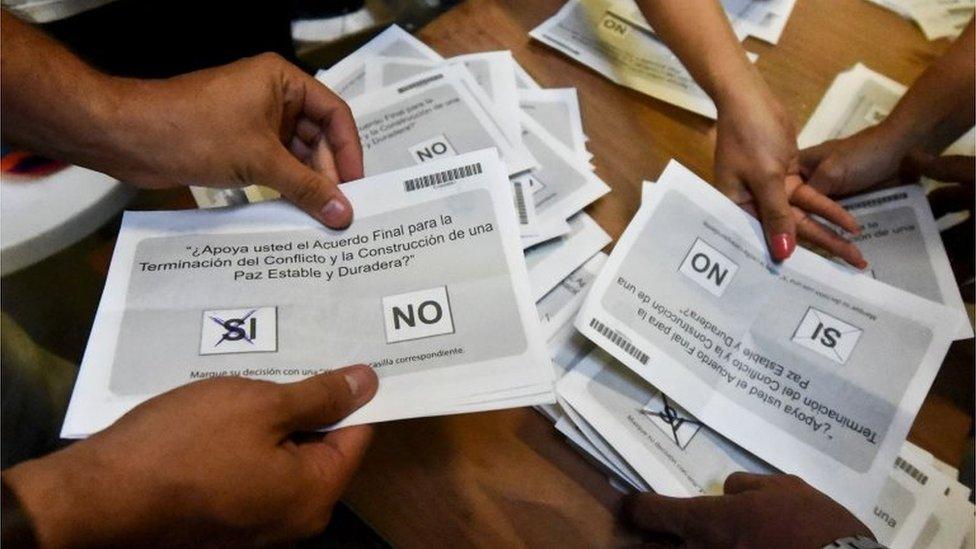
260 478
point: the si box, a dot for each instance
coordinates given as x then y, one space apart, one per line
250 330
419 314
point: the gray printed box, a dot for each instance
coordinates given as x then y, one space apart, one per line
321 323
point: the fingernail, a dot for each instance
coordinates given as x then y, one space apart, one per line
334 212
782 246
359 379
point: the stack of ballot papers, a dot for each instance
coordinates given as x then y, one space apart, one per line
613 38
454 149
702 357
695 356
936 18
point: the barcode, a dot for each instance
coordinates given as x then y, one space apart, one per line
619 341
876 201
520 204
419 83
439 178
921 477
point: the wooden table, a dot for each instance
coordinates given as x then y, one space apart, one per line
507 478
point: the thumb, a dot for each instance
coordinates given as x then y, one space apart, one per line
315 193
326 398
777 218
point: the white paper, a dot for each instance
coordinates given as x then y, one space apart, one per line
492 71
158 305
623 52
857 99
814 368
558 307
557 110
552 261
562 184
671 450
432 115
901 242
346 77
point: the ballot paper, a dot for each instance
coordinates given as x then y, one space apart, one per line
909 496
559 306
433 115
672 451
606 452
941 18
346 78
557 110
936 18
900 238
949 523
623 52
429 266
901 242
554 260
561 184
566 348
493 72
920 506
809 365
762 19
857 99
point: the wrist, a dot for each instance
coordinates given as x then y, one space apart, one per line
74 498
44 490
739 86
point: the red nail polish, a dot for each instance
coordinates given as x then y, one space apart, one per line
782 246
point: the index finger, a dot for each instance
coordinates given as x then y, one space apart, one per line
813 201
333 115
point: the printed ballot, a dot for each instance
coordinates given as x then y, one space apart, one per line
671 450
622 51
900 238
814 368
431 263
434 115
347 77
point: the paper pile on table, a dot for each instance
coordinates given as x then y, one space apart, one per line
936 18
613 38
711 359
470 212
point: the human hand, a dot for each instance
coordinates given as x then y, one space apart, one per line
957 195
866 160
260 121
216 462
756 165
756 511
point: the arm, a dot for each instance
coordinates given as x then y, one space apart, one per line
256 121
756 162
216 462
933 113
